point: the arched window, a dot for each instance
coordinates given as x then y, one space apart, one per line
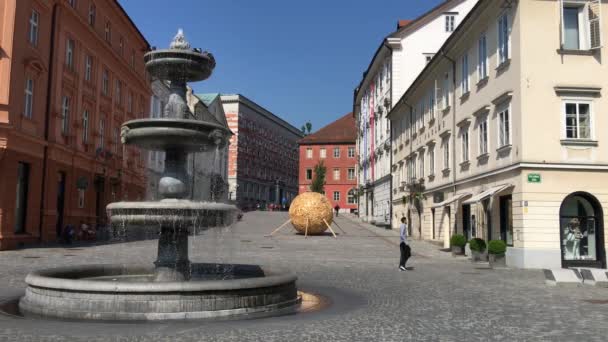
581 224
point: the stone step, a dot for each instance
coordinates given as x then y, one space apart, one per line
563 277
594 276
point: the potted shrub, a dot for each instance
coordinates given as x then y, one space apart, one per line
478 249
496 250
458 241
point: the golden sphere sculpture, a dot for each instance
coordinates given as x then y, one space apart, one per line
311 207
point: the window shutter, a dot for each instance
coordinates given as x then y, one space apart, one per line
594 18
561 24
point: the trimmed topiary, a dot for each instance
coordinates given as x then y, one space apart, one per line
477 245
497 247
458 240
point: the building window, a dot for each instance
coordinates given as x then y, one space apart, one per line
119 92
432 105
483 136
121 46
432 161
413 167
80 198
465 145
102 130
351 152
504 129
34 22
85 126
309 153
21 200
482 66
65 115
352 197
450 20
130 102
105 82
108 32
28 111
69 53
92 14
464 77
336 152
446 154
421 165
322 153
351 174
88 66
446 90
308 174
503 38
578 119
336 174
581 25
336 195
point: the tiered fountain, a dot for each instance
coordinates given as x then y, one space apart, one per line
174 288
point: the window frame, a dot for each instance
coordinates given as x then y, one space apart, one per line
334 196
578 101
309 153
105 82
336 174
503 46
92 16
446 153
34 27
102 129
484 146
351 152
307 171
336 152
69 53
432 161
85 126
351 170
465 84
465 145
28 110
322 153
507 132
450 22
65 114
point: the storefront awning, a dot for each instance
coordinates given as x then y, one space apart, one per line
451 200
487 193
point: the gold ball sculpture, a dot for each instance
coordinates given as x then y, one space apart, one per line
312 208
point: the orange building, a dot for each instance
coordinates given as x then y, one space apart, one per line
70 73
334 145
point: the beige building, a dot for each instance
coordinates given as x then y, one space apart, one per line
501 136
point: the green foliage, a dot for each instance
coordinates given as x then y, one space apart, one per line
303 129
404 200
308 127
318 181
458 240
477 244
497 247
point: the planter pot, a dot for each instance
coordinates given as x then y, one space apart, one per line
457 250
478 256
497 260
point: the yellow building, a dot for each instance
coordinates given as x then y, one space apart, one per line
502 134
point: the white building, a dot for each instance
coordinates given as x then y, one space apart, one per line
395 65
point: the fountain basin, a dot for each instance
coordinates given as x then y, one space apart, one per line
117 292
169 133
181 65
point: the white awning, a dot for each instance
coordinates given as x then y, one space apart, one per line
451 200
487 193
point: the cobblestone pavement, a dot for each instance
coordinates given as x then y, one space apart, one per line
440 299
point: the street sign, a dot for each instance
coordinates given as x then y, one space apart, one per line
534 178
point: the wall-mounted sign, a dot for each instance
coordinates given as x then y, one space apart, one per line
534 178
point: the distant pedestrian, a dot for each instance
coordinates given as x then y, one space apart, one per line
68 234
337 209
405 249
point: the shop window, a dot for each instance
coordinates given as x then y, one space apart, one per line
581 230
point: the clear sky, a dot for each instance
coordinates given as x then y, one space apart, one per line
300 59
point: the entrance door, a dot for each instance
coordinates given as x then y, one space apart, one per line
506 219
433 223
60 202
99 200
446 226
582 231
23 180
466 221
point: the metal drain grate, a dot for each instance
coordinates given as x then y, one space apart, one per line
470 273
31 257
267 247
68 255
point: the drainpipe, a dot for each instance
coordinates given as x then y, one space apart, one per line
47 119
409 120
453 144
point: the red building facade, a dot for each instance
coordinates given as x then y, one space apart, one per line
333 144
71 72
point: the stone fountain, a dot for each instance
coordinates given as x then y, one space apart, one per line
174 288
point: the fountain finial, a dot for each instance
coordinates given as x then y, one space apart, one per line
179 41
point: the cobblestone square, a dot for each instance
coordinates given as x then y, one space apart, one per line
440 298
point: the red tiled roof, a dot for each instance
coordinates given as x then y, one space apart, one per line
402 23
341 131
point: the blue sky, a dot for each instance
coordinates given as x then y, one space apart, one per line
299 59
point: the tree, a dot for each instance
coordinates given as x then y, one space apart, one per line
303 129
308 127
318 181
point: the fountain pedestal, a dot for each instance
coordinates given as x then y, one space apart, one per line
172 263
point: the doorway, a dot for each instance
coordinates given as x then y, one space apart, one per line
466 221
23 180
60 202
433 223
582 231
100 211
506 219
